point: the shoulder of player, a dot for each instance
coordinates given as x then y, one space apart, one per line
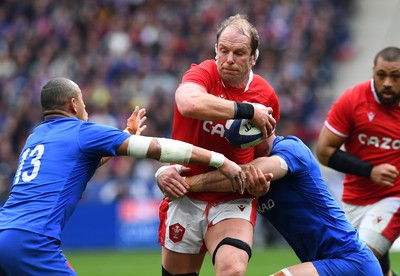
359 90
207 65
258 80
95 127
291 145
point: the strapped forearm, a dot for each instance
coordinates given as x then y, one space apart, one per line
172 151
243 110
347 163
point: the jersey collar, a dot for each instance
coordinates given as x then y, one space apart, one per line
374 92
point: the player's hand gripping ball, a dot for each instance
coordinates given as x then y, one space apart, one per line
242 133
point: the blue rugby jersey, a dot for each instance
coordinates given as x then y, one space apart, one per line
57 161
301 208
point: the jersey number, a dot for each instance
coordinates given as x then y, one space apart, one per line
35 154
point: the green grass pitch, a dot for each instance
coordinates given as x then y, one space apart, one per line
123 263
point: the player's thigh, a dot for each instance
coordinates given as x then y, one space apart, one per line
26 253
183 225
361 263
378 223
234 219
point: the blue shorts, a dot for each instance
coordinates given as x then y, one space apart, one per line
362 263
27 253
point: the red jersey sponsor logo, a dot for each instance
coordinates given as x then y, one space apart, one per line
382 143
214 129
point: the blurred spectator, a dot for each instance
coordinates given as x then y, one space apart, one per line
132 52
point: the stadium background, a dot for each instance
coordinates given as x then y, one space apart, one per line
133 52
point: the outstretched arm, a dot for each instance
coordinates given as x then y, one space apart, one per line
174 151
259 173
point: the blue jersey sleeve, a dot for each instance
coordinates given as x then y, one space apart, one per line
101 140
294 152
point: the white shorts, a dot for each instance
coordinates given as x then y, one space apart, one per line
378 223
184 221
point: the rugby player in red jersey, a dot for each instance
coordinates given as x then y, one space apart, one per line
366 120
211 92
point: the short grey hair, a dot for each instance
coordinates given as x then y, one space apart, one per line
241 22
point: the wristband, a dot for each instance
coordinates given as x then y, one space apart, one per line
243 110
163 168
217 159
346 163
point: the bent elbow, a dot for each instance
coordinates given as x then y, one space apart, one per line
187 109
322 155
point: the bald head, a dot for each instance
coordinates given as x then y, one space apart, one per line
57 93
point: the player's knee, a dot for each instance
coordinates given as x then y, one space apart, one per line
166 273
235 243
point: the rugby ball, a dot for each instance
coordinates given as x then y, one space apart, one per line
242 133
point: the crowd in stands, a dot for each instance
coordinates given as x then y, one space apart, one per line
124 53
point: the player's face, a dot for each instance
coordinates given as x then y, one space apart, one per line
387 81
233 56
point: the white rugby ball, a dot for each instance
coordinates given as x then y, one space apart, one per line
242 133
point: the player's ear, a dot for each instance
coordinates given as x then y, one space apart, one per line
255 57
73 105
216 50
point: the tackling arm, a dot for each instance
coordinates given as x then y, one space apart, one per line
259 173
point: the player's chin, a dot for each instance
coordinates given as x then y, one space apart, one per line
228 73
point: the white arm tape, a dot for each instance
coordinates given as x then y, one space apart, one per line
163 168
138 146
175 151
217 159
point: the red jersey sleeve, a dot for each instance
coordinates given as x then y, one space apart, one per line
340 117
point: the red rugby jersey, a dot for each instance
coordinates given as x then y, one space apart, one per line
210 134
372 131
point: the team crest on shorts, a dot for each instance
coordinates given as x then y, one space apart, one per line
176 232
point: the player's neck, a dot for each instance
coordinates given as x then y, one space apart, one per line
55 114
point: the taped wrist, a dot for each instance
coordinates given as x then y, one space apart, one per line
243 110
163 168
138 146
346 163
217 159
